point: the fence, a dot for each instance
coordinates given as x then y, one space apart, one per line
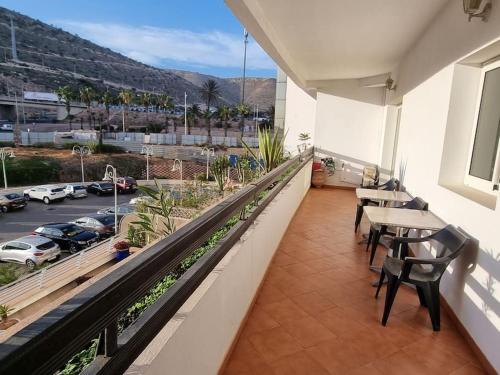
39 284
163 139
6 136
33 138
226 141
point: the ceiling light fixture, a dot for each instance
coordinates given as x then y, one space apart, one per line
477 8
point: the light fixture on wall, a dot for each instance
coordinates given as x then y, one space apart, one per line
390 84
477 8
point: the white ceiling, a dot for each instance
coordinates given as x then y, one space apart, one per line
334 39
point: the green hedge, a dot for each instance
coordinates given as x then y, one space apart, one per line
35 170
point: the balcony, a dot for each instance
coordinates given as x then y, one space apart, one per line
316 312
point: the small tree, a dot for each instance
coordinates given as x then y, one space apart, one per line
66 94
87 95
220 170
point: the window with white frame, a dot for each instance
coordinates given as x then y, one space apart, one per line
484 157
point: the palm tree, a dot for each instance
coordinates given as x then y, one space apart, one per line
145 100
243 110
210 92
167 104
223 114
87 95
193 113
270 113
125 97
107 99
66 94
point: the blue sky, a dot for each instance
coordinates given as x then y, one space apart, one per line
196 35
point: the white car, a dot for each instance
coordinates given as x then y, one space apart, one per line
29 250
46 193
7 127
75 191
141 199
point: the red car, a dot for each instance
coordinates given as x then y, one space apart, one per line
126 185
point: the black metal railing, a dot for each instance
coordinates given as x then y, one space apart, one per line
47 344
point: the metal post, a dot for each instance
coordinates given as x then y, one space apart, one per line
81 151
209 152
245 34
185 113
5 153
110 174
147 151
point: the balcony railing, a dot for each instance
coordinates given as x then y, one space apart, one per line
49 343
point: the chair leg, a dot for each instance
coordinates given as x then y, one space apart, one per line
359 214
380 282
421 296
392 289
431 292
370 236
375 240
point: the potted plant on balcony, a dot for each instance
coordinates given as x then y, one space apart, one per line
122 249
5 322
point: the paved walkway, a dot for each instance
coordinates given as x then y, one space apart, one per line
316 312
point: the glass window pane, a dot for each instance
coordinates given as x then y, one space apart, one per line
488 128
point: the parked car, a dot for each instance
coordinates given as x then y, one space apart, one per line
46 193
68 236
7 127
122 210
100 188
140 199
29 250
75 191
12 201
126 185
103 225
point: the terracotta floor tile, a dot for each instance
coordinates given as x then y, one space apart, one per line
316 310
298 364
274 344
313 303
307 331
284 310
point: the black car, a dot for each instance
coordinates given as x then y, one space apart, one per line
100 188
68 236
12 201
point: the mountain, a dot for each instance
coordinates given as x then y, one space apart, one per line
50 57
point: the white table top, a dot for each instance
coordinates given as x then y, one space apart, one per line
383 195
403 218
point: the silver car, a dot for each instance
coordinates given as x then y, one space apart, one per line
75 191
29 250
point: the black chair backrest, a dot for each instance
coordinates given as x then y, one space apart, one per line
452 242
390 185
416 204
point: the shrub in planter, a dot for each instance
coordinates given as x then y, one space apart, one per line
122 249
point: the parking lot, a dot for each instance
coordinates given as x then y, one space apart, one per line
18 223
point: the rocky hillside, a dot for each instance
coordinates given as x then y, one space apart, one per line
50 57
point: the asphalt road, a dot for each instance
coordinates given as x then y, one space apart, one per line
15 224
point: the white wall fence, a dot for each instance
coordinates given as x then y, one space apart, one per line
39 284
6 137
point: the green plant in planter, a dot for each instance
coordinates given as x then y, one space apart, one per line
154 216
271 149
304 137
245 173
220 169
135 236
4 312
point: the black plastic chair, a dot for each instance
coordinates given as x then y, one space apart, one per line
390 185
377 231
424 273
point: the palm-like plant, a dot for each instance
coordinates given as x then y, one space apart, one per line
224 114
125 97
270 149
167 104
270 113
145 99
243 110
106 99
66 94
87 95
210 92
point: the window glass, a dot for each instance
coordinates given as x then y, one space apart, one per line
485 147
12 246
23 246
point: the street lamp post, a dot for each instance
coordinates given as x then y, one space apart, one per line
209 152
81 151
185 113
110 174
147 151
4 154
178 167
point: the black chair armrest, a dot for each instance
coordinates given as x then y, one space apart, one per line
415 260
399 245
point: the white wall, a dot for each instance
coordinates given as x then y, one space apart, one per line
472 284
300 115
349 127
209 320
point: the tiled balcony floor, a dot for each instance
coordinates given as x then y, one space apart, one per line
316 312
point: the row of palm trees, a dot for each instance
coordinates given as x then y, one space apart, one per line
210 93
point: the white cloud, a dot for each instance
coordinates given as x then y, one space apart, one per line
154 45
